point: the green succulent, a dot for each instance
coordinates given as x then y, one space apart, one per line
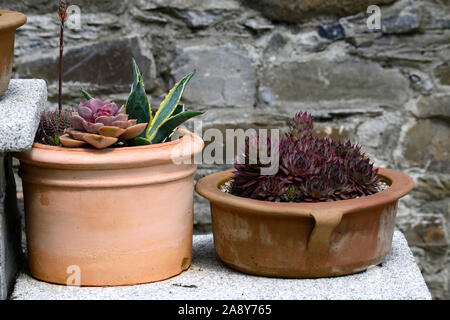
165 121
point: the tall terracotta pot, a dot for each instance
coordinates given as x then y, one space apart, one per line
116 216
302 240
9 22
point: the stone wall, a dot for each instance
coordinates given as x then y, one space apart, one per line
259 62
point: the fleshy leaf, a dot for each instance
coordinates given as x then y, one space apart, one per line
172 123
168 106
86 95
138 105
178 109
138 141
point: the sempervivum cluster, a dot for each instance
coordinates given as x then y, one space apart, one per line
100 124
311 169
248 181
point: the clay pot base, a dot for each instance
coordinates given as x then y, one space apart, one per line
303 240
107 215
184 267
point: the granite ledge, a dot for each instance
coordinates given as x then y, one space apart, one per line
20 110
398 278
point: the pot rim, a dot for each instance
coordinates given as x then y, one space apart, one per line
208 187
11 20
113 158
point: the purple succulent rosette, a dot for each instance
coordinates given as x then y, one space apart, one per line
100 124
95 113
311 169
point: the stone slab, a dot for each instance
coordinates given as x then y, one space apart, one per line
398 278
20 110
10 228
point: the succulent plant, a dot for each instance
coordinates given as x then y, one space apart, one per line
100 124
248 175
311 169
300 126
170 113
51 127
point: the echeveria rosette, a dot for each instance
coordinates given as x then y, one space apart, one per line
100 124
311 169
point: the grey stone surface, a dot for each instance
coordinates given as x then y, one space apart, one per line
110 62
211 62
322 83
436 106
301 10
20 110
402 23
398 278
10 228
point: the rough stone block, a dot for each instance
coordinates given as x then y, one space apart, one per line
322 84
188 4
225 75
45 6
427 143
107 63
436 106
10 228
301 10
20 110
208 278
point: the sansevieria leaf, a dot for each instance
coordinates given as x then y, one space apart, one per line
167 106
138 105
172 123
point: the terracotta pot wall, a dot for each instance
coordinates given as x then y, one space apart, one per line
122 216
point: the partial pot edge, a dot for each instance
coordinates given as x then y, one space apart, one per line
112 158
12 20
400 185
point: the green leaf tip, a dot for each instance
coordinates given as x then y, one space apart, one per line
137 105
86 95
168 106
168 127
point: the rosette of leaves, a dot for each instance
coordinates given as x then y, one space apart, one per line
248 176
311 169
170 114
102 124
51 127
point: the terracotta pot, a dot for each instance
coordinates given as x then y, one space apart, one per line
120 215
9 22
303 240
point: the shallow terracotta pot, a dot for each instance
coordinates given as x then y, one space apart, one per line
116 216
303 240
9 22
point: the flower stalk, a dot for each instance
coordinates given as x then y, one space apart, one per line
62 13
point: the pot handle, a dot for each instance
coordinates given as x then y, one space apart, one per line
319 239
